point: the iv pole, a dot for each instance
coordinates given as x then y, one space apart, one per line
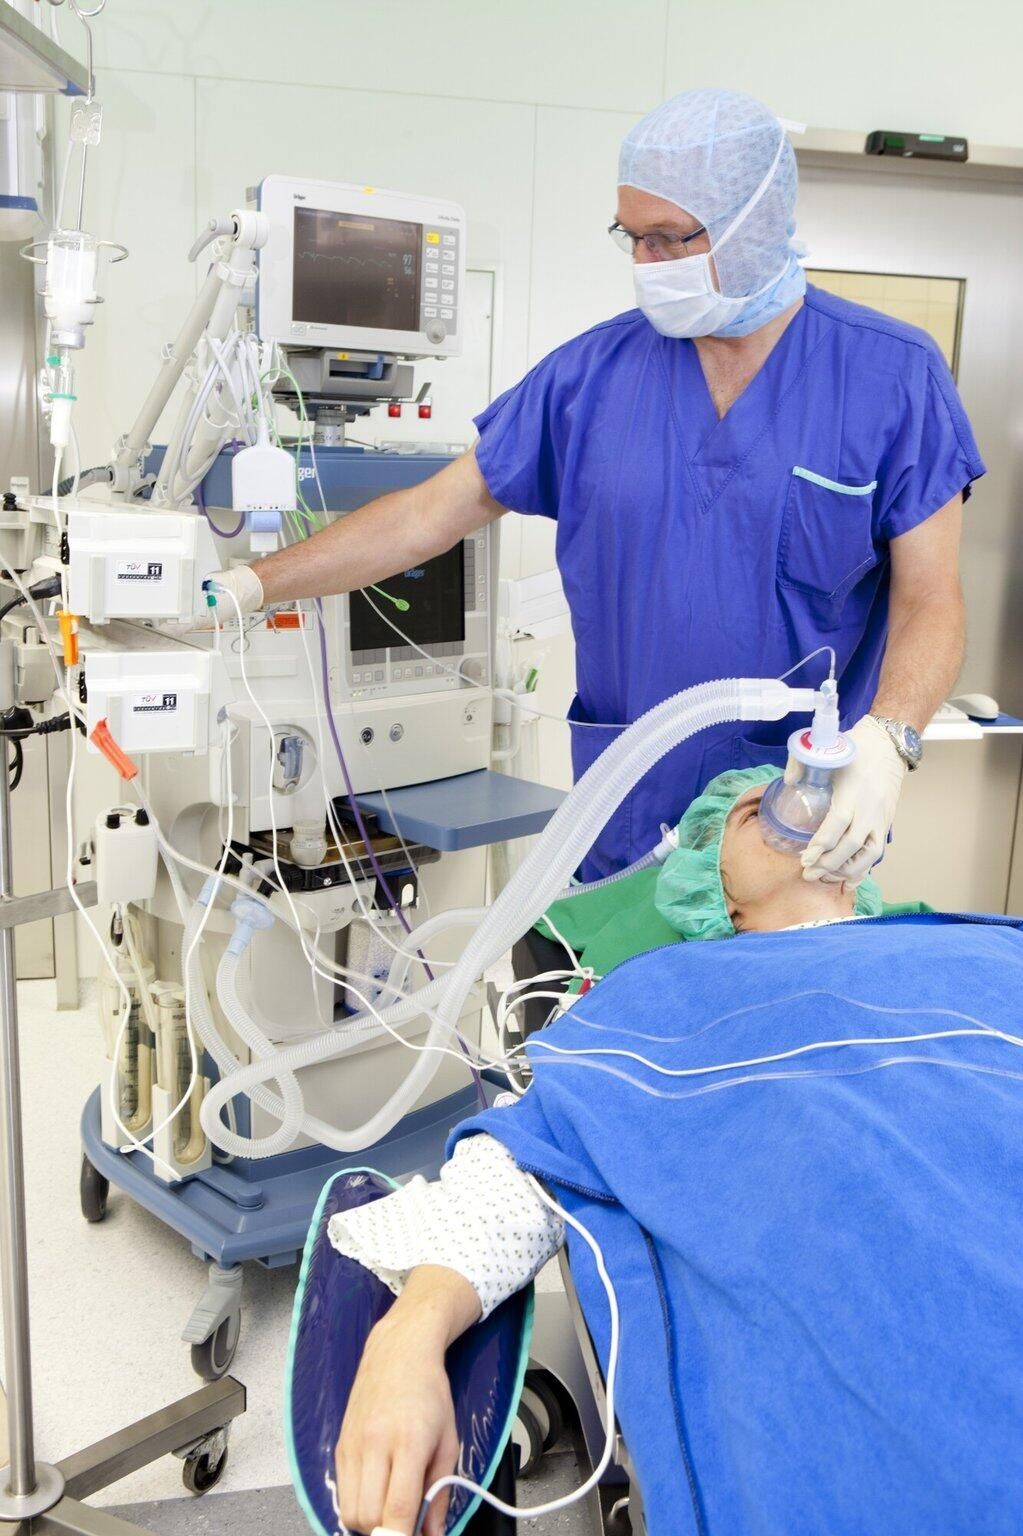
35 1495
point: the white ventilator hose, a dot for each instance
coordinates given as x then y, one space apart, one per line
543 874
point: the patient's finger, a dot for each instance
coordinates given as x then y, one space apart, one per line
445 1460
404 1491
371 1475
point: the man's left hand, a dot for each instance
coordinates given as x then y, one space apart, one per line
852 836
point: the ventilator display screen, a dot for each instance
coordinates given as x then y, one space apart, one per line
353 270
435 614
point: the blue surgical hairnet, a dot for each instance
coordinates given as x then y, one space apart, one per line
707 152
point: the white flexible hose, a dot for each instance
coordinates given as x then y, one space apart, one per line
542 875
585 886
250 1034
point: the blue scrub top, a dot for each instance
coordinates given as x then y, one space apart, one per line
692 548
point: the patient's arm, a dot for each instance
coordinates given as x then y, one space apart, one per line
399 1430
451 1251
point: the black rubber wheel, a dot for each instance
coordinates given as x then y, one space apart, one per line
212 1358
543 1387
200 1473
93 1190
527 1439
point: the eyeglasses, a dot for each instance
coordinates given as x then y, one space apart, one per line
664 247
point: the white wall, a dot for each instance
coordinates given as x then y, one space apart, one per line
514 110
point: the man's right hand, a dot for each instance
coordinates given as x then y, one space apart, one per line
242 581
399 1434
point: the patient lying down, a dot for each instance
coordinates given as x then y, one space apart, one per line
801 1157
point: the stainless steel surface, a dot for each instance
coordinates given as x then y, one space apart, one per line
13 1251
954 832
556 1346
33 945
19 362
30 60
171 1429
69 1515
26 909
65 932
48 1486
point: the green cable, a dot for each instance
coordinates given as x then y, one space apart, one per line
399 602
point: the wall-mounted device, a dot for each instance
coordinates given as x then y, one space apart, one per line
917 146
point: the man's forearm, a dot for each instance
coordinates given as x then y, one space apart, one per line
388 535
359 549
922 659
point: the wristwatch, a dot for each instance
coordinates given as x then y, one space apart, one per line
905 739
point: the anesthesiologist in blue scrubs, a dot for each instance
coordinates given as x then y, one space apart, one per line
743 468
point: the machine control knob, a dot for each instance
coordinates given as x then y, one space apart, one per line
396 732
366 735
436 331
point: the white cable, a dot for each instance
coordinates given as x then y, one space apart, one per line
317 684
533 1512
499 693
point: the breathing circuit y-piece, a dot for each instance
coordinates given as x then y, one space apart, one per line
791 812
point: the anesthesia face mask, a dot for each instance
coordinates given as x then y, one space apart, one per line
790 814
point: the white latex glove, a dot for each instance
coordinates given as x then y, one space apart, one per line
246 586
853 835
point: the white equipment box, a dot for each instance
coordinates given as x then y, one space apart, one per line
138 565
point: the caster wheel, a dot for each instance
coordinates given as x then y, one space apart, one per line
526 1439
93 1189
203 1471
212 1358
550 1413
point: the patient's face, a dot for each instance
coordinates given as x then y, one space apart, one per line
750 870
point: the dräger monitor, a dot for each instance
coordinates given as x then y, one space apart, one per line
349 266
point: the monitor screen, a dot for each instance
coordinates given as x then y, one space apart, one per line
354 270
435 615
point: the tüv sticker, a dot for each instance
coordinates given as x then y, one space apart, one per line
154 703
139 570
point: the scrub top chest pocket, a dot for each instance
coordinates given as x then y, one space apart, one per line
827 539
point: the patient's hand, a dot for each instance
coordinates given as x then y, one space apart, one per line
398 1434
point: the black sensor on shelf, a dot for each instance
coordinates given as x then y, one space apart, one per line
917 146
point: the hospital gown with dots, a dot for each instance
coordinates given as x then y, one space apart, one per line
452 1223
693 548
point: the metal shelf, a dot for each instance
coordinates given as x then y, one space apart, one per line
32 61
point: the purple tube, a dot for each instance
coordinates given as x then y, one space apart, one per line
222 533
363 833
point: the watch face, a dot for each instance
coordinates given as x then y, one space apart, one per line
911 738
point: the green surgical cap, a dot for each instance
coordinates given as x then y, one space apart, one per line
690 895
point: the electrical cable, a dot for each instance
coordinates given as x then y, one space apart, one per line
552 1506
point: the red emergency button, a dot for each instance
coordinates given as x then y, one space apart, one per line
394 409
